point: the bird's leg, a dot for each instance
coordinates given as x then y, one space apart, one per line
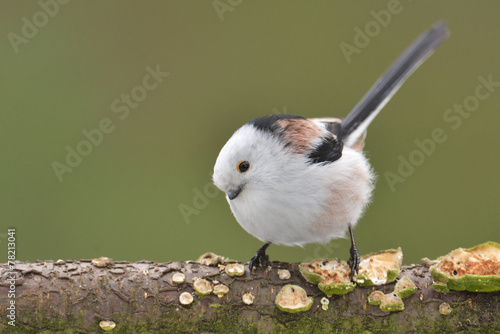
354 259
260 259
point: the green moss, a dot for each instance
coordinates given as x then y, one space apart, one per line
228 319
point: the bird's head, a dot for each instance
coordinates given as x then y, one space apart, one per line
251 159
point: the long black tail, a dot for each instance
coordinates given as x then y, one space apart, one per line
355 124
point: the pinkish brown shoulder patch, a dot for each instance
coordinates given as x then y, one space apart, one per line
300 134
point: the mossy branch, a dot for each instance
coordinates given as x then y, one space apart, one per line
142 297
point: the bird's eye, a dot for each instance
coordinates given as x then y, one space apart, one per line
243 166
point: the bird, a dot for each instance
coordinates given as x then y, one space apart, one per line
292 181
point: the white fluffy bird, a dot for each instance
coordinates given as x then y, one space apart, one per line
292 181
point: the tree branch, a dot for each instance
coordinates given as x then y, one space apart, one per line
142 296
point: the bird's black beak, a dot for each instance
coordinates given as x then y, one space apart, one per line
232 194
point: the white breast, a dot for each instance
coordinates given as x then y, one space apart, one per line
307 203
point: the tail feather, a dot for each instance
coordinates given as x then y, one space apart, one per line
356 123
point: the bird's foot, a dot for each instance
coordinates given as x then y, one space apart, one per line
354 261
260 259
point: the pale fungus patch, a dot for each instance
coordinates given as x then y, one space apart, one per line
405 287
248 298
375 298
293 299
202 287
324 303
391 303
235 269
107 325
283 274
186 298
379 268
220 290
179 278
210 259
445 309
102 262
476 269
331 276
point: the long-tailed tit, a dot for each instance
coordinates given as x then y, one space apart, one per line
292 181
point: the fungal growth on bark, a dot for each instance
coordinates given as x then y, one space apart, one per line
235 269
405 287
333 276
186 298
220 290
178 278
102 262
202 287
107 326
476 269
210 259
293 299
380 268
392 302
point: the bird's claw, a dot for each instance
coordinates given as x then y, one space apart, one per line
354 261
260 259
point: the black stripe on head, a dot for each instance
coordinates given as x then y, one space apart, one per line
268 123
329 150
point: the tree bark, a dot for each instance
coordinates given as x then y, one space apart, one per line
140 297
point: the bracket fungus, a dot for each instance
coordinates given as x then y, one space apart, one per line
210 259
102 262
375 297
186 298
391 303
220 290
293 299
324 303
107 325
178 278
235 269
202 287
284 274
379 268
405 287
476 269
331 276
445 309
248 298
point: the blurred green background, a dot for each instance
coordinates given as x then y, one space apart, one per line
64 65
